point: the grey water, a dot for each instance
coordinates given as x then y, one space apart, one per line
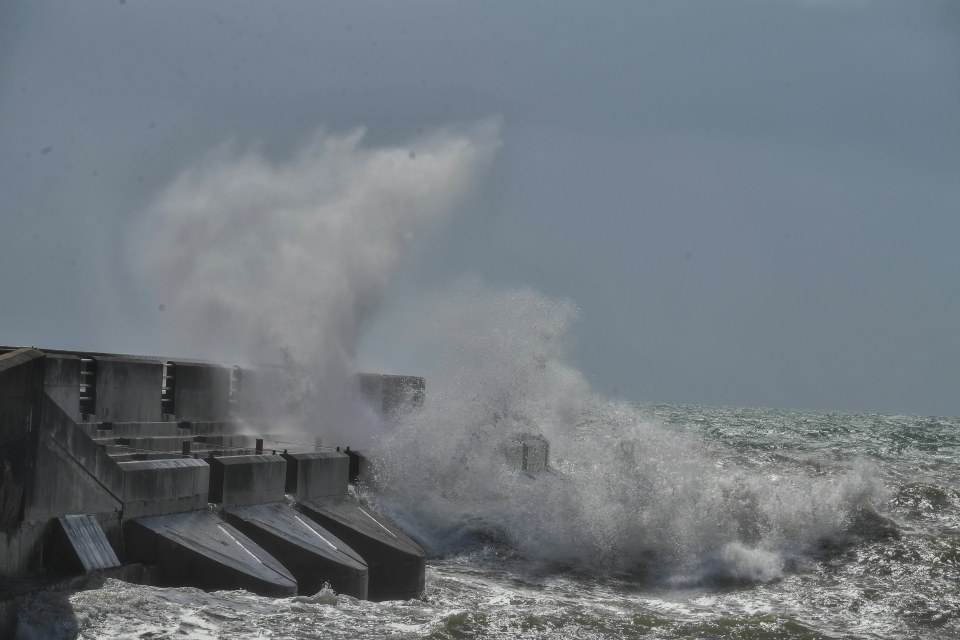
661 521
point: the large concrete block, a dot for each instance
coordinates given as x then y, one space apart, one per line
158 487
71 474
198 549
317 475
396 563
21 386
61 381
128 390
201 391
392 394
312 554
527 452
244 480
537 453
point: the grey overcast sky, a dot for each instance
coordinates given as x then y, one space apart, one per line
751 202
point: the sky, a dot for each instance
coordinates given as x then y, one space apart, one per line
751 203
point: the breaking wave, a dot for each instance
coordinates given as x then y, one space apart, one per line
628 495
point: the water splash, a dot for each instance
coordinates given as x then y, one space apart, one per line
284 261
632 497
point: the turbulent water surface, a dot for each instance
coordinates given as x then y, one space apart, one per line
660 522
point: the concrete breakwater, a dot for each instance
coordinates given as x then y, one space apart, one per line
135 466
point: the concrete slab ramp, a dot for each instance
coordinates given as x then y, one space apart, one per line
313 554
79 545
396 563
198 549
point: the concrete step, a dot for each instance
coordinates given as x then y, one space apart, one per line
233 441
160 443
146 429
139 457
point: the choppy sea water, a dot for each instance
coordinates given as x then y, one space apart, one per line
661 522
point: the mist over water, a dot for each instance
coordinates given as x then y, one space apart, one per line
255 260
633 497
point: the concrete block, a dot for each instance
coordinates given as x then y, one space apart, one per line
78 544
317 475
128 389
527 452
396 563
392 394
21 386
244 480
312 554
71 474
201 391
198 549
61 381
158 487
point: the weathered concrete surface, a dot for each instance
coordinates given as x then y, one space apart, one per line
77 544
198 549
317 475
358 464
61 381
202 391
48 467
21 386
311 553
147 429
128 389
157 487
242 480
396 563
73 474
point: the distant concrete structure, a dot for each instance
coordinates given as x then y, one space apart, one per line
527 452
110 461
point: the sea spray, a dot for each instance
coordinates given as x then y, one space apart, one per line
261 261
631 497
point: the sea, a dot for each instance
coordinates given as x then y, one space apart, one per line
654 521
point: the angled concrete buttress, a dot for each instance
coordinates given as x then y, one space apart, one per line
397 563
196 548
173 529
251 490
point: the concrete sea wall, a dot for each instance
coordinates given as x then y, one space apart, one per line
109 460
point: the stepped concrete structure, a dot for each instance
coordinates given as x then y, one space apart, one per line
136 467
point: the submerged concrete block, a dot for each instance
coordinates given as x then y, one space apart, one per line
198 549
527 452
157 487
312 553
317 475
396 563
390 395
242 480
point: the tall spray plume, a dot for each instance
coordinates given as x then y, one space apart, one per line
263 261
